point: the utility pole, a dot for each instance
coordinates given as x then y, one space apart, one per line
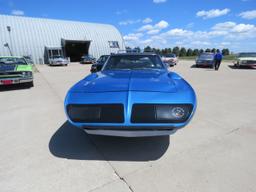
9 31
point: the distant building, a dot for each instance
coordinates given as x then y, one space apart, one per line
44 38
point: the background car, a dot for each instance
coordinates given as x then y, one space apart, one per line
205 60
99 63
58 60
15 70
246 60
170 59
134 95
87 59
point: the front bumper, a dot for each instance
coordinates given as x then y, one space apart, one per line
59 63
204 64
130 133
12 81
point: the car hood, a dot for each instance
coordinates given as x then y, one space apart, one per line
130 80
247 58
13 67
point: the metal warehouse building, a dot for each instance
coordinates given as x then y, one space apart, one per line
43 38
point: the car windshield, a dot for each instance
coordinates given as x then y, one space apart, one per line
57 57
103 59
206 56
133 62
13 61
171 55
247 55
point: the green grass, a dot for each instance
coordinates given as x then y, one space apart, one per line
226 58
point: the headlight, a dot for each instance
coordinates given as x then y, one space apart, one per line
178 112
27 73
161 113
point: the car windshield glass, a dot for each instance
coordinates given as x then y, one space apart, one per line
171 55
13 61
133 62
57 57
206 56
247 55
102 59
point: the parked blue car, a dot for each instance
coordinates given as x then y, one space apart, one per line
134 95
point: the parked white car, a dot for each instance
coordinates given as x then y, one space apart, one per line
246 60
58 60
170 59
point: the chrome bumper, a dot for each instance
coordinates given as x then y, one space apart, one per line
126 133
16 80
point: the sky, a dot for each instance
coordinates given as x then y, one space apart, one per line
157 23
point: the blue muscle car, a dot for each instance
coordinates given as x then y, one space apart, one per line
134 95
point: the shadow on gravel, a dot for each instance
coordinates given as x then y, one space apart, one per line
242 68
72 143
13 87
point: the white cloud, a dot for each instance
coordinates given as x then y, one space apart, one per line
212 13
162 25
224 26
159 1
146 28
147 20
248 14
190 25
158 26
18 12
178 32
129 22
133 36
243 28
153 31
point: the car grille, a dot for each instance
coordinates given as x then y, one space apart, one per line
10 75
158 113
250 62
100 113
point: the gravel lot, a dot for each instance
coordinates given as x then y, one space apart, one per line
40 151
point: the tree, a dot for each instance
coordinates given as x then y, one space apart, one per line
213 50
137 49
183 52
176 51
148 49
201 51
225 52
207 50
189 52
169 50
195 52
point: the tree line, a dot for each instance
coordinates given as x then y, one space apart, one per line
178 51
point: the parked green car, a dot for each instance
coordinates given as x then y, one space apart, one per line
15 70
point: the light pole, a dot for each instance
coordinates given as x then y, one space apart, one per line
9 30
7 45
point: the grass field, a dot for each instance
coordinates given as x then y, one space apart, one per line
227 57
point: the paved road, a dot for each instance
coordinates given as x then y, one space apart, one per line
40 151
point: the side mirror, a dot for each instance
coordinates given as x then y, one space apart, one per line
99 67
93 70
